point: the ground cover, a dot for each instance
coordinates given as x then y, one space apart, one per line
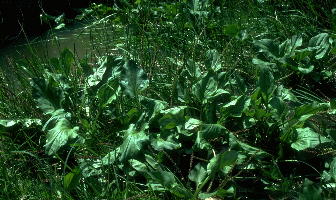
186 100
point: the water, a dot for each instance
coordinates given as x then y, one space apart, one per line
82 39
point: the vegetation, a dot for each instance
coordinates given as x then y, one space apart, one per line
181 100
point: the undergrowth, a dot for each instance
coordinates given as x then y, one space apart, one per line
178 100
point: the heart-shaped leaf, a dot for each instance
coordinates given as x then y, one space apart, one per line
59 135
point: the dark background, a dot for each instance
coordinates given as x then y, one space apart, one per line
16 15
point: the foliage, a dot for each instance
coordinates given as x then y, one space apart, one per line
174 114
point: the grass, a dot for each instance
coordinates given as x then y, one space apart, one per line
177 100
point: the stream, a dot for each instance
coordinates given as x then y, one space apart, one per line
82 39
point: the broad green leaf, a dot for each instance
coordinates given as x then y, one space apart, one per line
257 61
279 108
89 167
133 79
288 47
220 161
108 92
236 107
232 30
55 117
205 88
71 180
192 124
266 81
152 162
193 69
24 122
321 43
139 166
111 157
47 94
218 193
108 70
240 146
153 107
133 143
212 61
269 47
168 180
304 112
172 117
310 191
59 135
305 69
170 143
198 174
208 132
332 170
307 138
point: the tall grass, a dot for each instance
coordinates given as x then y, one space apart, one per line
165 38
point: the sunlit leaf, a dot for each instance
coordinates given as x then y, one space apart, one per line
198 174
321 44
133 143
59 135
307 138
47 94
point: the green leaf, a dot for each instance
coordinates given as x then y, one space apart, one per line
304 112
212 61
305 69
192 124
220 161
133 143
170 143
71 180
266 81
208 132
268 47
108 92
198 174
205 88
321 44
232 30
288 47
134 79
279 108
172 117
108 71
139 166
111 157
307 138
59 135
67 60
168 180
24 122
236 107
48 94
153 106
310 191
